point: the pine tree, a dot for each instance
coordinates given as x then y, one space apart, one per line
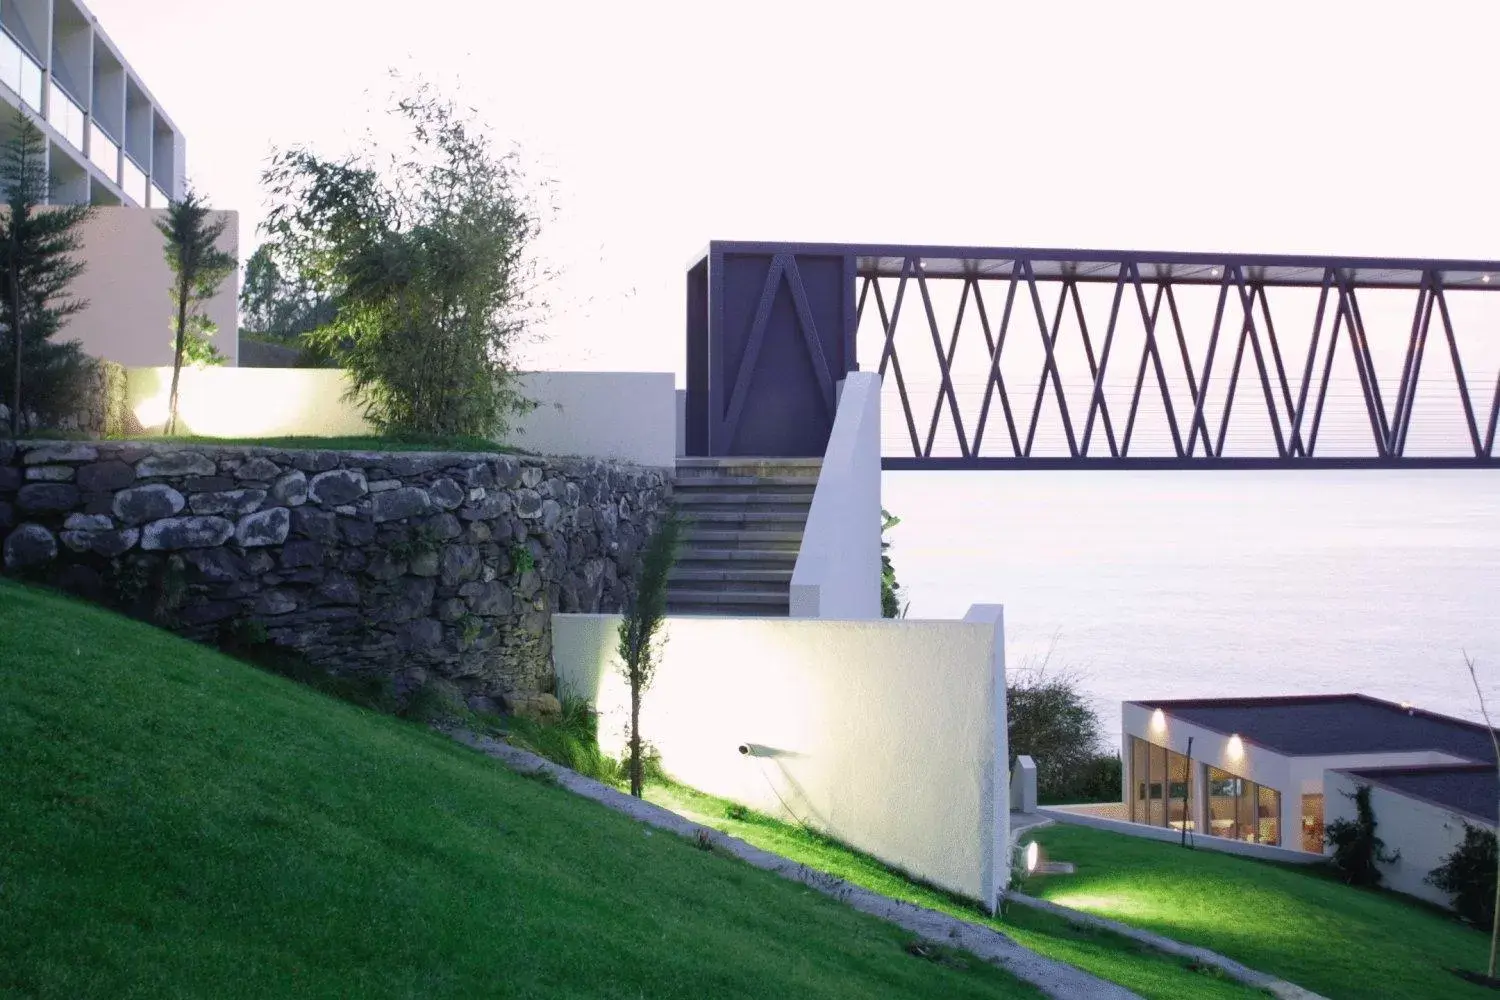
199 267
37 246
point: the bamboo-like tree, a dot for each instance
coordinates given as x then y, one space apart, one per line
645 613
1495 742
199 268
37 247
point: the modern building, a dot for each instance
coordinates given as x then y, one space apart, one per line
1274 771
108 140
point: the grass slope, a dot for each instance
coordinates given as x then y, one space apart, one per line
1108 956
1318 933
176 824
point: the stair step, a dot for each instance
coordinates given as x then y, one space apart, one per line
717 518
729 611
738 498
731 560
756 467
715 602
729 574
760 541
795 484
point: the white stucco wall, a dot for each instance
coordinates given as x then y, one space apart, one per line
837 574
628 416
888 735
1292 776
126 282
1424 833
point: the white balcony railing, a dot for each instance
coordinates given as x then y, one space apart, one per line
159 198
133 181
67 117
20 72
104 151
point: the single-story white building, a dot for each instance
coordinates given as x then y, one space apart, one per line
1274 771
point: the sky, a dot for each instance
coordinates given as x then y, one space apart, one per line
656 127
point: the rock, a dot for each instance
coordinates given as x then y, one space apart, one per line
551 514
531 704
28 546
384 567
105 477
452 609
446 494
50 474
47 496
10 479
507 471
531 477
235 502
7 448
460 565
88 522
489 599
424 562
275 602
385 485
339 589
356 532
208 484
82 581
290 490
260 468
348 510
314 461
175 464
528 503
309 522
491 507
301 553
266 527
50 453
209 613
215 566
410 599
479 476
482 704
147 503
409 501
422 634
337 486
114 543
176 533
442 527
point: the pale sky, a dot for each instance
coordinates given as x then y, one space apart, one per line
1297 127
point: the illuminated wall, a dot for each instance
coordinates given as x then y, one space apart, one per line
889 735
624 416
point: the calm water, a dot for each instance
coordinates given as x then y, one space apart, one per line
1206 584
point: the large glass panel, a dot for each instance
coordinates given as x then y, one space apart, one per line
1157 815
1312 823
133 181
1223 802
1178 814
104 152
1139 777
1268 827
159 197
20 72
1244 827
67 117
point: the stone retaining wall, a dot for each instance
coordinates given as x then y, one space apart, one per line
412 565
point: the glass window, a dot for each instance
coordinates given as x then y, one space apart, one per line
104 152
1242 810
1139 767
20 72
159 197
1268 815
66 116
1178 815
1159 786
133 180
1312 823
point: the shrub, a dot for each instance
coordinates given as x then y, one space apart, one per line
1050 719
1357 851
1468 875
892 597
1099 779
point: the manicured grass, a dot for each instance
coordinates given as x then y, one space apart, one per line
1291 922
175 824
1109 956
458 443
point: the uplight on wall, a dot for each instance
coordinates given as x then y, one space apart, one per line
1236 747
1158 721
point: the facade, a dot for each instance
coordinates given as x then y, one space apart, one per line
108 140
1273 771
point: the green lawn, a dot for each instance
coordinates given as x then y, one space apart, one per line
175 824
456 443
1315 932
1108 956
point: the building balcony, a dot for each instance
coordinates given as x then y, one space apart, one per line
20 72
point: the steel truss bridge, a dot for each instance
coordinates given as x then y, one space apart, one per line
1001 358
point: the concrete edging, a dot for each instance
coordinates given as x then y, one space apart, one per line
1234 970
1055 979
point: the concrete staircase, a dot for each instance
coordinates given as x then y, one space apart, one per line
745 519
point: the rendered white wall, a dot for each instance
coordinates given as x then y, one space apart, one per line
837 574
1424 833
126 282
628 416
888 735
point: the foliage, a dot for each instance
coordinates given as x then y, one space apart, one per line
521 558
571 740
1100 778
424 262
645 613
1050 719
1468 875
891 603
198 267
38 373
279 304
401 442
187 822
1357 851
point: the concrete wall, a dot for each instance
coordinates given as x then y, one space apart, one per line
622 416
1424 833
126 282
888 735
838 566
1293 777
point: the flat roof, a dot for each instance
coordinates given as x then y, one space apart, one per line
1463 788
1185 268
1325 725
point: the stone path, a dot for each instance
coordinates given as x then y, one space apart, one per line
1053 978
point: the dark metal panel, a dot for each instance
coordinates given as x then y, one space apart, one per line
696 438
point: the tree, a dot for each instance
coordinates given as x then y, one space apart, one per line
280 304
1357 851
1049 718
199 267
37 245
645 613
424 260
891 604
1468 875
1493 882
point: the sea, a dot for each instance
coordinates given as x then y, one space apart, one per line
1215 583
